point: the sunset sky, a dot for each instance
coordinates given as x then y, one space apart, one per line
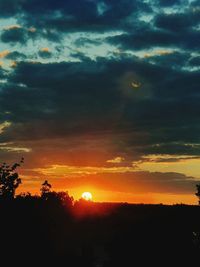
102 96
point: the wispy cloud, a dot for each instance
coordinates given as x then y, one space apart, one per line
4 53
4 126
116 160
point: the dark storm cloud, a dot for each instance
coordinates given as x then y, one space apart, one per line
169 3
174 148
175 30
96 97
52 18
3 74
45 54
173 59
81 56
70 15
177 22
17 34
13 35
9 8
16 55
195 3
195 61
143 39
148 38
169 159
173 22
58 93
86 41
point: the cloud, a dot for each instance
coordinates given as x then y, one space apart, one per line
4 53
8 148
176 22
121 179
116 160
195 61
65 16
171 30
167 158
45 53
169 3
88 90
15 55
3 126
13 34
179 58
158 53
8 8
147 38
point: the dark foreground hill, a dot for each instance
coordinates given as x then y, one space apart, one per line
41 233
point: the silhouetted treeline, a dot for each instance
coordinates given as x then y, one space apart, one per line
53 229
39 231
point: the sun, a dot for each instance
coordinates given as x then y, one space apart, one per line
87 196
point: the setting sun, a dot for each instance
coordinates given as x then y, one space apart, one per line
87 196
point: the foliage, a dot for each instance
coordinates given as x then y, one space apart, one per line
45 189
62 197
9 180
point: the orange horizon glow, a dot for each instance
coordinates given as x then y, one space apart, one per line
113 181
86 196
101 196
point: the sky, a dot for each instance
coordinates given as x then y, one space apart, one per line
102 96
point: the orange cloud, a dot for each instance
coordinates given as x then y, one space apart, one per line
4 53
13 64
158 53
116 160
12 27
4 125
45 49
66 170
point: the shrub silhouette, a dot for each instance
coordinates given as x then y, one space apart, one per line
24 196
9 180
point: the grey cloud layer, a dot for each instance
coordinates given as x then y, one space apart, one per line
97 97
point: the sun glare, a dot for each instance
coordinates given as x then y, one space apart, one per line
87 196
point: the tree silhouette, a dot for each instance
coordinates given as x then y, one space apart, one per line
198 192
9 179
64 198
45 189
